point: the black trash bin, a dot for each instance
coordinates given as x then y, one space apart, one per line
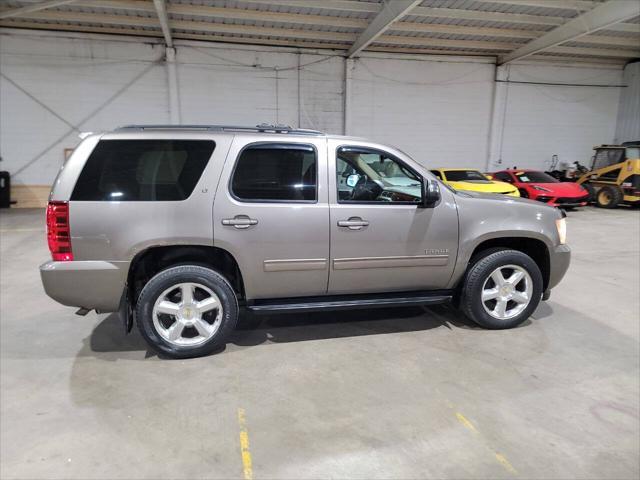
5 190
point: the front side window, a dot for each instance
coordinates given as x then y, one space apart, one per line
276 172
142 170
364 176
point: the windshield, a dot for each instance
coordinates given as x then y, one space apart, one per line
607 156
464 175
633 153
534 177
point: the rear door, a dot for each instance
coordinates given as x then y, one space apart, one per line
271 213
382 241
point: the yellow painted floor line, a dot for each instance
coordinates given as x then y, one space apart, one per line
505 463
247 468
502 460
461 418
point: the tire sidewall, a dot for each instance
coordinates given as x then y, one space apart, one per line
615 197
181 274
478 274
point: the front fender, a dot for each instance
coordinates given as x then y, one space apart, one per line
492 217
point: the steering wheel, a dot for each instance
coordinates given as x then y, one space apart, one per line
367 190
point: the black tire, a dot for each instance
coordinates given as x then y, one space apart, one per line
591 191
608 197
480 268
186 274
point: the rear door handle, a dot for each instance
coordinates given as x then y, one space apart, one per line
354 223
240 222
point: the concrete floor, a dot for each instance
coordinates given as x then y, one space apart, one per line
403 393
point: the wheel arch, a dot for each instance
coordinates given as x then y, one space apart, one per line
534 247
154 259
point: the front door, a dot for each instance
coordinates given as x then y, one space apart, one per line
381 239
271 213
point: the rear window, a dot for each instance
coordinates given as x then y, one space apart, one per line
143 170
275 172
464 175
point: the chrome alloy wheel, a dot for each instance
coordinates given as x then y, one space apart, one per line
187 314
507 292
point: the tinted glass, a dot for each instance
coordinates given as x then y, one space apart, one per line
143 170
464 175
276 173
502 176
437 174
608 157
534 177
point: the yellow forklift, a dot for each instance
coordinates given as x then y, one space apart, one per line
614 176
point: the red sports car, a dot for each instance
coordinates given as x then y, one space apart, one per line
542 187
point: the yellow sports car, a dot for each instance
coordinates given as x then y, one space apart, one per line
473 180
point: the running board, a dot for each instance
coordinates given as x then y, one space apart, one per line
346 302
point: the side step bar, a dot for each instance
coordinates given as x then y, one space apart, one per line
345 302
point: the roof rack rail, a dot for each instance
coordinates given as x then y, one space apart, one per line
262 128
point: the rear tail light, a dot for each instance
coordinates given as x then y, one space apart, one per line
58 233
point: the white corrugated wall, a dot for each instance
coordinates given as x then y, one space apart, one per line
438 109
541 118
628 124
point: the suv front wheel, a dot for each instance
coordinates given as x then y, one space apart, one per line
187 311
502 289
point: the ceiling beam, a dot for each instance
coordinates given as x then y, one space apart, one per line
16 12
428 42
161 10
341 5
371 7
603 16
596 52
624 42
303 43
319 39
560 4
391 11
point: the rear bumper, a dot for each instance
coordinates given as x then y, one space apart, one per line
89 284
559 260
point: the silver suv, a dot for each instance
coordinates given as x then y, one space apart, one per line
176 228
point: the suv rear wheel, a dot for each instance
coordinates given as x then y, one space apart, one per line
502 289
187 311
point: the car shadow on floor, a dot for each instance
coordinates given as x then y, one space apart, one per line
109 342
256 329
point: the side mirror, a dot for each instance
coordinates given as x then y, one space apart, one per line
430 193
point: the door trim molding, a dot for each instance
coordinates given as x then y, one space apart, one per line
391 262
295 264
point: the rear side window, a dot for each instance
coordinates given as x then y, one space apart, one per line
143 170
275 173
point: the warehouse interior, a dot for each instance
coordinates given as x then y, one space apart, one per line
413 392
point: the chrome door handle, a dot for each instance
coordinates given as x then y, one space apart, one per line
354 223
240 222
